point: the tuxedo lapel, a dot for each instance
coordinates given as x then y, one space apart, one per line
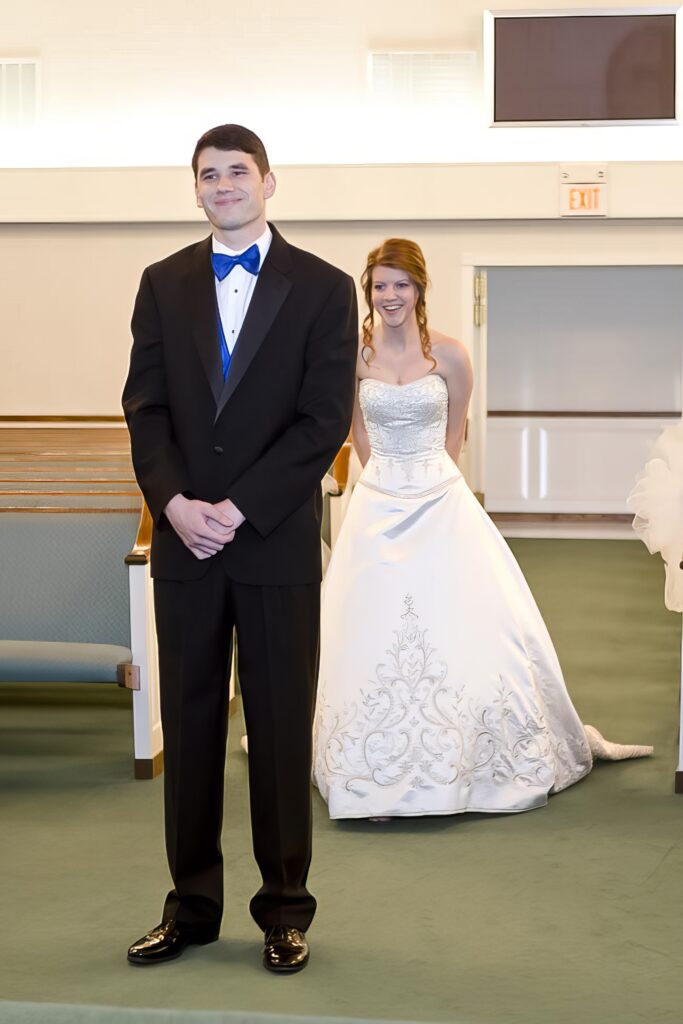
272 287
205 316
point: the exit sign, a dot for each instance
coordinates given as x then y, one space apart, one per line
583 200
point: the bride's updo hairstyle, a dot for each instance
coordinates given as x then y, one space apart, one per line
398 254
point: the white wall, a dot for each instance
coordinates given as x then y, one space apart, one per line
519 191
68 290
135 83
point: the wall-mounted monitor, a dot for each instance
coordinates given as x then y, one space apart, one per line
586 67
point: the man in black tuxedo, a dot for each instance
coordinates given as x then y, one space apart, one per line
239 394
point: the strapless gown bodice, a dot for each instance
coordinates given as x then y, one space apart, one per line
406 425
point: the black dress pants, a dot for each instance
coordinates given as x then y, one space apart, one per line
277 630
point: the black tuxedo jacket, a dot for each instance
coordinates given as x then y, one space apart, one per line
266 436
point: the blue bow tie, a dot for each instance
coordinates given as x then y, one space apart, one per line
250 259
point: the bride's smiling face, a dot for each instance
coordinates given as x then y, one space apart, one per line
394 295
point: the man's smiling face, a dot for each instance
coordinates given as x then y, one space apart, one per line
231 191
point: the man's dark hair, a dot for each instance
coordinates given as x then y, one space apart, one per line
233 136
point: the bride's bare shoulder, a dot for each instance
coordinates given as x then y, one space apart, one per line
451 355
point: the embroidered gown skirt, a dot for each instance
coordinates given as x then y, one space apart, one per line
439 688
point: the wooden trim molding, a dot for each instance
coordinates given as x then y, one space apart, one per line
27 478
340 467
128 676
46 458
149 767
678 783
140 552
67 510
45 492
62 419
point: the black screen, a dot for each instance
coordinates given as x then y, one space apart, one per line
585 68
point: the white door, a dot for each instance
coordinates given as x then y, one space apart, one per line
473 335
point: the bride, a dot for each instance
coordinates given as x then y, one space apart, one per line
439 688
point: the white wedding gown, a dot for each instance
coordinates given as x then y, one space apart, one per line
439 688
657 500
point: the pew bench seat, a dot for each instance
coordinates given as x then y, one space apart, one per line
76 606
40 661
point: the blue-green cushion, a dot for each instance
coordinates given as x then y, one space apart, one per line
31 661
63 577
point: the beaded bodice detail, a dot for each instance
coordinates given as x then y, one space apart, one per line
406 427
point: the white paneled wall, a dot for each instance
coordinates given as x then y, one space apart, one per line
602 340
565 465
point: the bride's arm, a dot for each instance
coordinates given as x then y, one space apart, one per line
454 364
359 434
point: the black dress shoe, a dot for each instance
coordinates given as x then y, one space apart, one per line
285 950
168 940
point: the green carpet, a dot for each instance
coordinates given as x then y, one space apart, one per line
565 914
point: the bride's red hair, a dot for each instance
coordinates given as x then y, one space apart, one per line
398 254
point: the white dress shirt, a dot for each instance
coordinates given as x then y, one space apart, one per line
234 292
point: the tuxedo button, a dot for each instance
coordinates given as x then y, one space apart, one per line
217 449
